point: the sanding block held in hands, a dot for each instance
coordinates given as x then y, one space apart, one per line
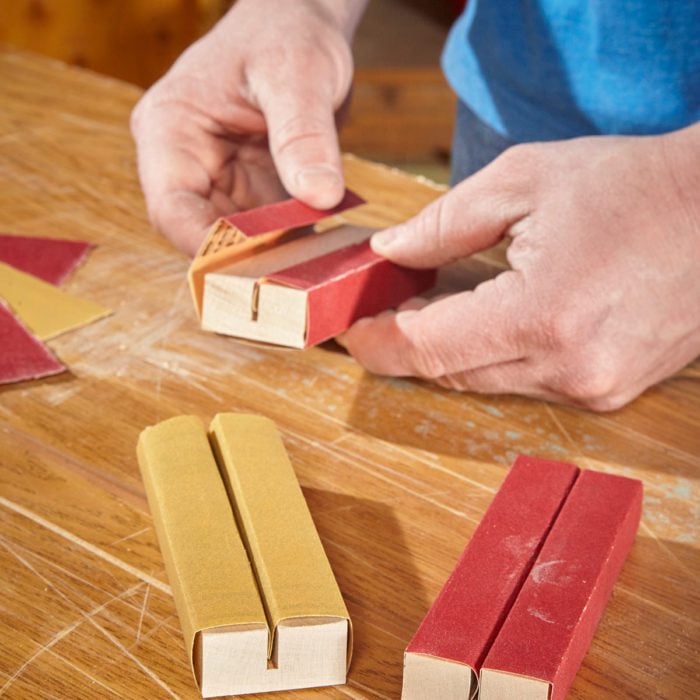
291 275
257 600
517 614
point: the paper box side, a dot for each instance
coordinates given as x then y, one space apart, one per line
264 313
570 583
291 566
473 603
496 685
206 562
427 677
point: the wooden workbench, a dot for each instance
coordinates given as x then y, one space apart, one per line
396 473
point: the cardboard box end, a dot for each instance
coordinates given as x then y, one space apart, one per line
425 675
495 685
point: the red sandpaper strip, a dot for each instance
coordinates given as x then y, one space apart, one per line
290 213
348 284
466 615
22 356
552 622
50 259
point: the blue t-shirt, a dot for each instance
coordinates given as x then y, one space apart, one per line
549 69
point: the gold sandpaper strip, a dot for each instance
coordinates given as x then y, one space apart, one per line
206 562
293 571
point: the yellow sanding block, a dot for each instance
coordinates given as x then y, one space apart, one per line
258 603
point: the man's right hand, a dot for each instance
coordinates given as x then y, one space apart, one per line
247 113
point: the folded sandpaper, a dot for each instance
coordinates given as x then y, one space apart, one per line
522 604
239 545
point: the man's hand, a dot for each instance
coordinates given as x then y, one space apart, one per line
603 296
246 113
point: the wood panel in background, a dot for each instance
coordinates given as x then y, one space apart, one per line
403 110
403 115
134 40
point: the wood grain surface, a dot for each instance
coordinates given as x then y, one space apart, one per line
397 473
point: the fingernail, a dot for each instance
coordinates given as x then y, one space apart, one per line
321 184
384 239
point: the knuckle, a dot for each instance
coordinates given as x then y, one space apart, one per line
517 156
519 168
606 404
156 107
432 225
433 228
156 216
425 364
298 131
561 329
590 380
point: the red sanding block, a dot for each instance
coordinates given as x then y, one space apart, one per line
548 630
348 284
266 275
445 655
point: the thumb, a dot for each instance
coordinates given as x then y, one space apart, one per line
304 141
472 216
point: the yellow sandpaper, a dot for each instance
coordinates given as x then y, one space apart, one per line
47 310
206 562
291 566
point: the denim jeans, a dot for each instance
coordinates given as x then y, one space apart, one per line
474 144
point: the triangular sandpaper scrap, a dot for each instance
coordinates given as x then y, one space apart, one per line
23 356
50 259
46 310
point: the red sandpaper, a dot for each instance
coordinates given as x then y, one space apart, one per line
468 612
349 284
551 624
50 259
290 213
22 355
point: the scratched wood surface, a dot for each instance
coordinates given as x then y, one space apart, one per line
396 473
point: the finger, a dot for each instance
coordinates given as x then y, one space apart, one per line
517 377
176 183
471 217
525 378
458 333
178 203
303 139
184 217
